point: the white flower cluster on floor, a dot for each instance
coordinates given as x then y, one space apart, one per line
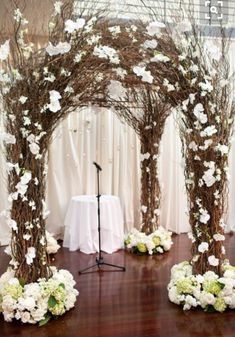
208 291
156 242
36 302
52 244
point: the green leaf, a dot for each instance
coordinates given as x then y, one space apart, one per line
45 320
62 285
22 282
52 301
210 308
222 285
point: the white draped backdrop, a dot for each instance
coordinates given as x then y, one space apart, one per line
95 134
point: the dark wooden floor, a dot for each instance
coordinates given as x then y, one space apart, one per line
128 304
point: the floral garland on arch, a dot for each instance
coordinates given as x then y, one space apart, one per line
201 89
134 94
38 89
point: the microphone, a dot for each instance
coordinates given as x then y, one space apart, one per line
97 166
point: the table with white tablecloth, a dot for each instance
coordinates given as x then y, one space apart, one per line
81 224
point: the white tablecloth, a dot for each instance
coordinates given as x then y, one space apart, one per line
81 224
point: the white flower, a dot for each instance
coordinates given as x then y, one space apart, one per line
26 121
144 156
193 146
145 74
52 245
4 50
57 6
115 30
208 177
198 112
206 86
207 143
204 216
31 254
203 247
27 303
168 85
26 177
208 131
25 317
206 299
144 208
191 236
224 149
34 148
213 261
54 105
107 53
79 56
116 90
71 26
160 58
190 301
218 237
23 99
120 72
50 78
155 27
150 44
60 48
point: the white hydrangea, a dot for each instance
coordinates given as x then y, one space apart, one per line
30 303
156 242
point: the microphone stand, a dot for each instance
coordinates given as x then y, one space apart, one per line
99 261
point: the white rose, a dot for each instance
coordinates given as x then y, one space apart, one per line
25 317
203 247
34 148
213 261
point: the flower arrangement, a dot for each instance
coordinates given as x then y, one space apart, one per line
157 242
208 291
39 301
